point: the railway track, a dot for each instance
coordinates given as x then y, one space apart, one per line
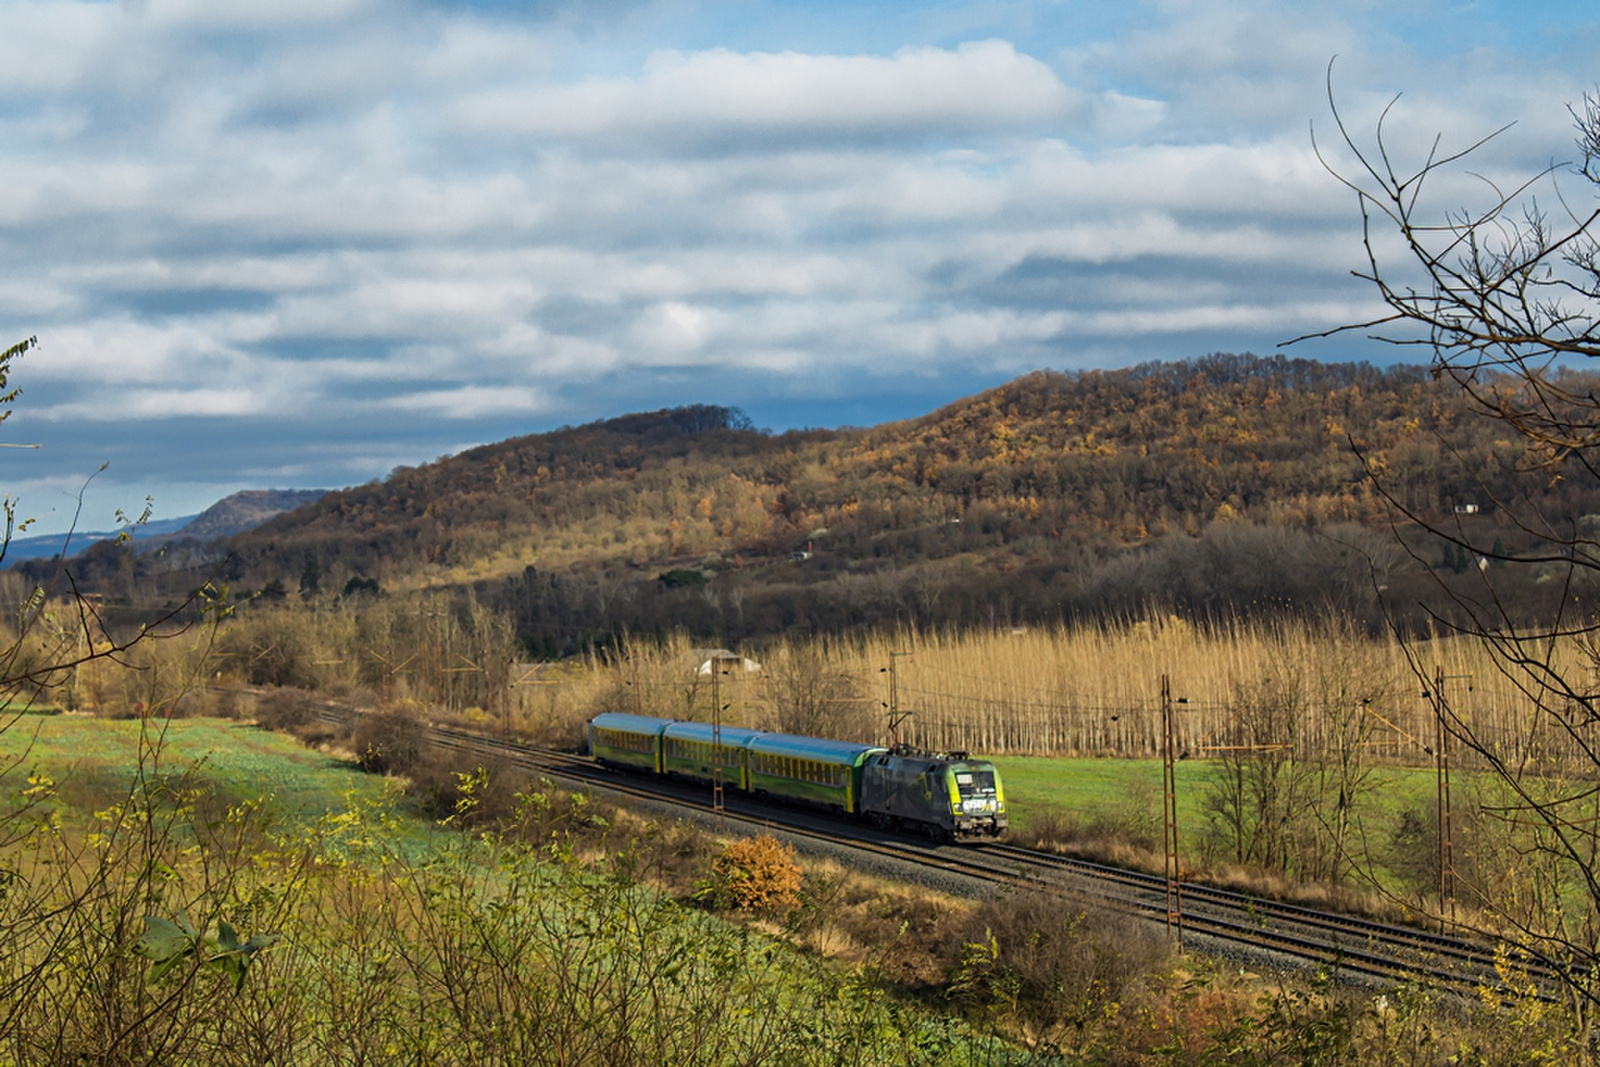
1345 946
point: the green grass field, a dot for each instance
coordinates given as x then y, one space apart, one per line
1094 788
94 761
1122 798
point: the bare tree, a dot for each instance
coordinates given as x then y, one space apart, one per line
810 695
1505 299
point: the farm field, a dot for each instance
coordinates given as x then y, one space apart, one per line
577 941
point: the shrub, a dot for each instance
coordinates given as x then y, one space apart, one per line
390 740
757 874
225 704
284 709
1049 965
682 578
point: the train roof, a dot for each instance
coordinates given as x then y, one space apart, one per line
821 749
633 724
732 736
939 759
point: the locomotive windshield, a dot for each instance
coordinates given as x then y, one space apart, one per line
975 783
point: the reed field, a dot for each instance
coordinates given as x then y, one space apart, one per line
1090 691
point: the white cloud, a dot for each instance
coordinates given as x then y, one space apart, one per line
473 401
977 85
322 221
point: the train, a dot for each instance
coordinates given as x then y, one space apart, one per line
945 796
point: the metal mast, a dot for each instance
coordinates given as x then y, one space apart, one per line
1169 803
1441 756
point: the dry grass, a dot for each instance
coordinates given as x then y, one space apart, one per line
1090 690
1087 690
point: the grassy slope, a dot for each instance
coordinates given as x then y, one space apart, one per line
94 760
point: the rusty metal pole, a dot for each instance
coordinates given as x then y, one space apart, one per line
894 699
1169 804
1447 872
718 809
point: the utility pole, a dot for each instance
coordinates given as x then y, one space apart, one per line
1441 761
718 809
895 718
1169 804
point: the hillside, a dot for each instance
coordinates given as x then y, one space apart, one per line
245 510
1211 482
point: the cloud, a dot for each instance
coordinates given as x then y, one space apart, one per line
318 235
978 85
473 401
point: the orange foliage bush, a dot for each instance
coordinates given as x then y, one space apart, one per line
758 873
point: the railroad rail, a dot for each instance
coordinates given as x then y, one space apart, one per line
1345 946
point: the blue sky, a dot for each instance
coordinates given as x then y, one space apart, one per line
297 244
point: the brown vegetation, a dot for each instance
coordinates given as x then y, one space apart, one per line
756 873
1227 483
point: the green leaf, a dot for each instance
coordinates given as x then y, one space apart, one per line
258 942
164 941
166 965
233 966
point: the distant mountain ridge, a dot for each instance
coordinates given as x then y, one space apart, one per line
245 510
1212 485
233 514
1038 468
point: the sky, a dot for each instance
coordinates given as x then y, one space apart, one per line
297 244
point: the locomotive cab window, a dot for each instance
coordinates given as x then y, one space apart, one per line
976 783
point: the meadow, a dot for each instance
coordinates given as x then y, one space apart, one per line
95 762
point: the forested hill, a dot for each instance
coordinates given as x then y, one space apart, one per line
1049 479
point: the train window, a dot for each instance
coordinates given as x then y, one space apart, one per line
978 782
